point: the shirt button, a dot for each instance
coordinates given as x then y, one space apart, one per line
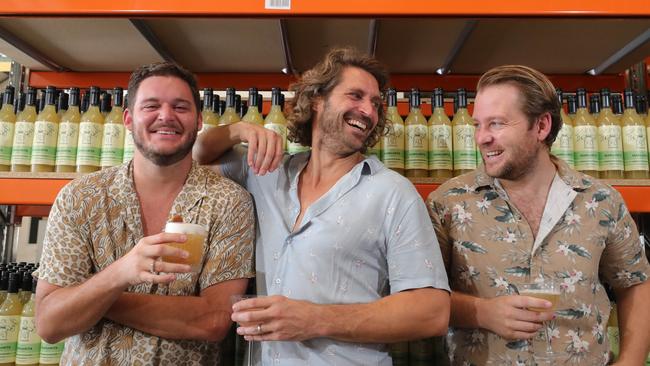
277 281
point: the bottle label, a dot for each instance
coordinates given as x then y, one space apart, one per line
6 142
440 152
22 147
9 327
464 147
635 149
280 129
112 145
29 343
563 145
44 146
416 147
610 148
129 146
294 148
66 150
51 353
375 150
586 147
393 149
89 149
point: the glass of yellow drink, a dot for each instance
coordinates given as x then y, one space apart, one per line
549 290
194 244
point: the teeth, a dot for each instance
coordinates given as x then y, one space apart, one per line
493 153
166 132
356 123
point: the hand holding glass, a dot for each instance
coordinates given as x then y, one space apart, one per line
550 291
196 235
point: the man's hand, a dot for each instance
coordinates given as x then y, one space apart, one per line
143 263
275 318
265 147
508 316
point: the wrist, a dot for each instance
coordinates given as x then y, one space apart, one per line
479 305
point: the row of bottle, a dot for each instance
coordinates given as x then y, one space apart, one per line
19 342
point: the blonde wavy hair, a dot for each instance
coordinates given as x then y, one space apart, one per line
319 82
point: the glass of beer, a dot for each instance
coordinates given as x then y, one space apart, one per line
245 354
196 235
548 290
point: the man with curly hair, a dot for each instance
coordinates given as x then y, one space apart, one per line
346 256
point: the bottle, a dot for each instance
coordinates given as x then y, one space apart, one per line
464 145
641 106
635 150
129 145
260 103
66 150
19 102
40 102
416 141
4 284
585 137
617 105
85 101
571 106
7 125
563 145
210 119
230 113
10 311
393 141
594 105
440 141
50 353
275 120
105 103
253 113
61 104
21 154
25 285
610 142
113 136
46 132
91 130
29 342
239 107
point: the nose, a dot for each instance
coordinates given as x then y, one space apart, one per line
165 112
367 109
482 135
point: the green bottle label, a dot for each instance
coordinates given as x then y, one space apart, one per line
464 147
9 327
89 149
393 147
586 147
280 129
635 150
610 148
29 343
44 145
294 148
129 146
440 143
563 145
6 141
416 147
112 145
51 353
66 150
22 147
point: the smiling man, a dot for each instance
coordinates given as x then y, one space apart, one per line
101 280
345 251
524 216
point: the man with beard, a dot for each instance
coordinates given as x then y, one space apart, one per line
525 217
346 257
102 281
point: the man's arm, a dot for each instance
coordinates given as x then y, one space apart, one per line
406 315
633 323
265 147
205 317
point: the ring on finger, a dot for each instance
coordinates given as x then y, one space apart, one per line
153 267
259 328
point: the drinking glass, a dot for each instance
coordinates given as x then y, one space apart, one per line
196 235
547 290
248 357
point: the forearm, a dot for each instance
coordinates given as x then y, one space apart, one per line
465 311
634 323
407 315
172 317
214 142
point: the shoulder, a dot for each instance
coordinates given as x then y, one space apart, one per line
90 185
218 186
457 187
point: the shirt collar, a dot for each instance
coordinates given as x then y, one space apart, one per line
368 166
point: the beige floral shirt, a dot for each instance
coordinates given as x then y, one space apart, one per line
96 220
586 235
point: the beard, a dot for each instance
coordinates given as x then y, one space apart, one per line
332 124
524 161
165 159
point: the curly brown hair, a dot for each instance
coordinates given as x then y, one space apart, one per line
319 82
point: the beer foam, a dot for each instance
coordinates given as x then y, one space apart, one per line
185 228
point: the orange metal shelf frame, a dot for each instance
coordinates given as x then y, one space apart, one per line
139 8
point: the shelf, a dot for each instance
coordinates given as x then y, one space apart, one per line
42 188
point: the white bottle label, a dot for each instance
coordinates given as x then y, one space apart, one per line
417 147
294 147
393 147
44 145
610 148
89 148
51 353
112 145
280 129
129 146
440 147
585 145
635 149
563 145
6 142
29 343
21 153
9 327
464 147
66 150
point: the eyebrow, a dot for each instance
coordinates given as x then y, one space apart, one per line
175 101
376 98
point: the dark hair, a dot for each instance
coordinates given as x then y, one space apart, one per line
162 69
537 91
319 82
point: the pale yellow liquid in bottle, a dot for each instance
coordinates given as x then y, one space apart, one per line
253 116
276 121
464 145
210 119
610 145
10 311
563 145
29 342
585 140
440 145
229 116
113 138
7 126
23 139
66 153
416 163
46 132
90 141
393 142
635 148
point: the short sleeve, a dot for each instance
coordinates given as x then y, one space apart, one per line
438 214
234 165
623 263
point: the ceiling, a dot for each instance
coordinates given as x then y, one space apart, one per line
405 45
